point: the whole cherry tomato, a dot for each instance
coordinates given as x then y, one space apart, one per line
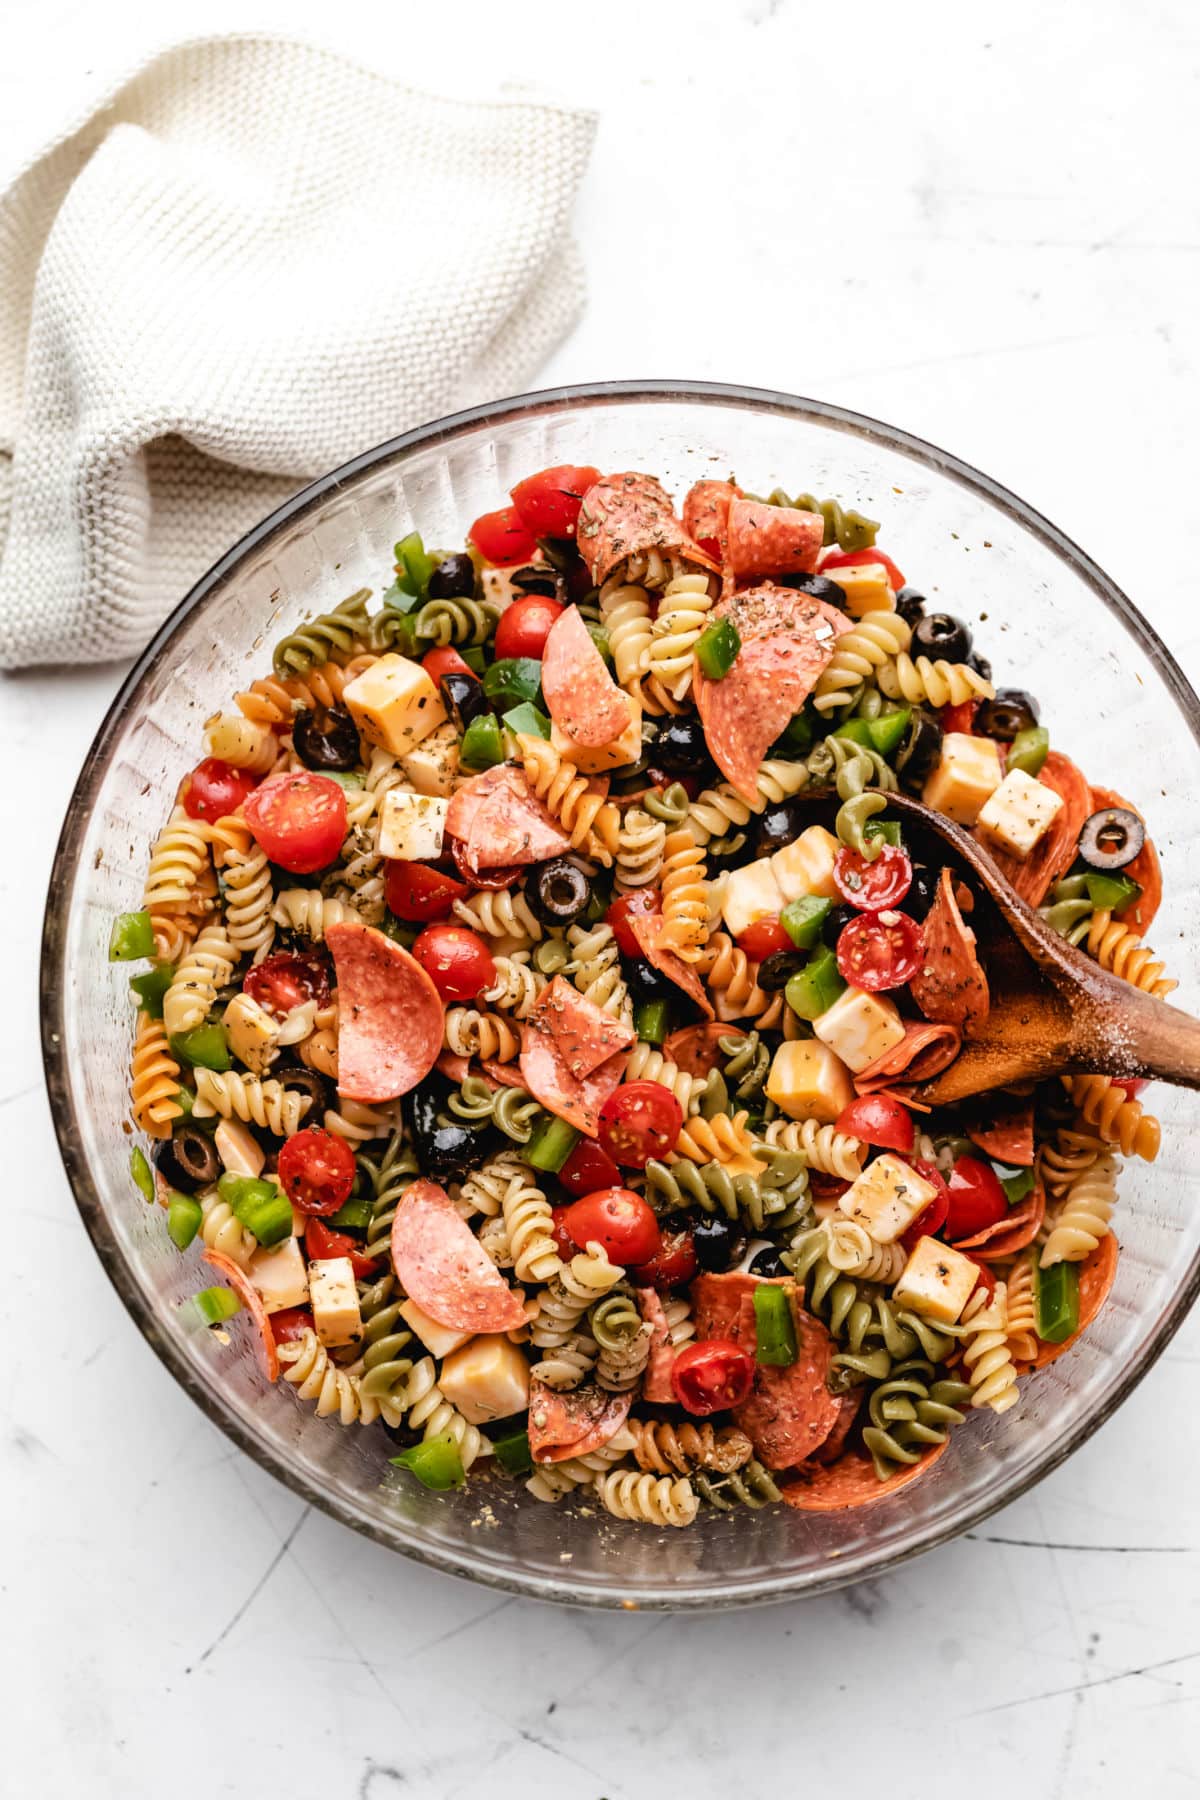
929 1222
420 894
564 1243
445 660
215 789
641 1120
674 1265
872 886
976 1198
618 1219
298 819
639 903
525 626
501 538
316 1171
290 1325
876 956
850 559
286 980
320 1244
712 1376
548 503
880 1120
763 939
959 718
458 961
588 1169
986 1277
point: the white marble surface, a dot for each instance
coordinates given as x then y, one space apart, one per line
979 223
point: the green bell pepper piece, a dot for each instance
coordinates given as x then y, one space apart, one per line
651 1020
599 637
258 1205
184 1216
797 740
888 729
802 920
857 730
132 937
1056 1302
1111 893
513 1453
1028 750
216 1304
813 989
774 1327
473 656
151 988
205 1047
527 719
483 743
436 1463
887 829
414 566
550 1144
143 1174
353 1215
1018 1186
717 649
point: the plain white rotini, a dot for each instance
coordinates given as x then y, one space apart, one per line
319 1050
858 654
639 851
682 615
987 1359
488 1035
595 968
206 966
311 913
220 1230
1084 1214
854 1252
681 1327
316 1377
646 1063
516 986
483 1190
242 743
429 1410
499 914
586 1278
625 612
1066 1156
356 1122
828 1151
648 1499
528 1220
179 857
721 809
566 1366
248 895
923 682
235 1096
553 1480
684 897
1020 1319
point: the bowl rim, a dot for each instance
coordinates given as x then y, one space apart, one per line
531 1584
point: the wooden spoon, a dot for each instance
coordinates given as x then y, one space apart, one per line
1054 1011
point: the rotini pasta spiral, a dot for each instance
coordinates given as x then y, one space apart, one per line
331 637
684 897
568 1364
221 1230
310 913
940 683
624 1342
428 1409
909 1413
179 857
241 742
571 1291
671 805
986 1354
848 529
173 932
660 1448
733 980
593 823
383 1381
681 1327
1083 1217
357 1123
625 614
595 969
855 1253
554 1480
849 767
483 1190
1069 909
153 1080
1021 1320
747 1065
753 1486
307 1365
499 914
488 1035
828 1151
773 1201
265 1103
206 967
853 817
639 851
443 622
682 615
389 1176
1119 949
648 1499
858 654
516 986
275 702
1066 1156
721 1139
646 1063
527 1219
721 809
319 1050
248 895
1118 1119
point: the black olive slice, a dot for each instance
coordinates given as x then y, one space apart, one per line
1112 838
557 891
188 1160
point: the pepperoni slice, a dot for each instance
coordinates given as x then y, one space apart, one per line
455 1068
717 1302
574 1423
647 928
252 1300
656 1383
849 1406
1144 869
583 699
510 828
549 1080
1006 1134
466 800
696 1048
852 1481
629 515
1015 1231
950 986
1034 875
442 1266
925 1050
772 540
706 514
584 1034
790 1412
1097 1273
390 1016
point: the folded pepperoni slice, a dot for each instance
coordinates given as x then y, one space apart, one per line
950 986
717 1302
706 514
546 1075
790 1412
466 801
1005 1133
583 699
442 1266
925 1050
252 1300
656 1382
852 1481
849 1406
573 1423
647 929
1144 869
696 1048
510 828
454 1067
1097 1273
1034 875
584 1034
390 1015
772 540
631 515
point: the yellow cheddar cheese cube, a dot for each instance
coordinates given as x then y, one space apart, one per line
1019 813
886 1198
866 588
859 1027
238 1148
280 1275
439 1340
936 1281
337 1316
432 768
751 893
596 759
806 865
487 1379
966 774
394 704
808 1081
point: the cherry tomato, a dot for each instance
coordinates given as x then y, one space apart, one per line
641 1120
986 1277
588 1169
876 956
872 886
640 903
1129 1087
420 894
445 660
929 1222
214 789
618 1219
290 1325
287 979
458 960
316 1171
849 559
673 1266
711 1376
548 503
878 1119
976 1198
960 717
564 1243
525 626
826 1187
501 538
320 1244
763 938
299 820
492 879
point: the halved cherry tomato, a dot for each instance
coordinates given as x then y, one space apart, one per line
672 1266
287 979
501 538
876 956
445 660
878 1119
420 894
640 903
960 717
850 559
548 503
1130 1088
525 626
588 1169
763 938
976 1198
642 1119
215 789
871 886
316 1171
320 1244
458 961
290 1325
711 1376
298 819
564 1243
826 1187
986 1277
929 1222
618 1219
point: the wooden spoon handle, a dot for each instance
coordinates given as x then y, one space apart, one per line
1124 1032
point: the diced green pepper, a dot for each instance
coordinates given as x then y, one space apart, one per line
184 1216
401 931
143 1174
1017 1186
132 937
436 1463
513 1453
802 920
258 1205
185 1100
599 637
473 656
513 679
717 649
857 730
888 729
550 1143
528 720
774 1327
151 988
651 1020
397 599
797 740
205 1047
814 988
887 829
414 565
1056 1302
353 1215
216 1304
346 780
1112 893
483 743
1028 750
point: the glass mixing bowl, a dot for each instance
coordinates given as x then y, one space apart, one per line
1049 619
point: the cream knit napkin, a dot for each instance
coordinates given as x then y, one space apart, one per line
250 262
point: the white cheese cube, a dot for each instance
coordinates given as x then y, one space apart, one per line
238 1148
1019 813
487 1379
412 826
337 1317
280 1275
594 759
859 1027
806 865
498 586
886 1198
439 1340
432 768
966 773
751 893
251 1031
395 704
866 588
808 1081
936 1281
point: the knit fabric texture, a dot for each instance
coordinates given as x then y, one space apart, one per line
252 261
